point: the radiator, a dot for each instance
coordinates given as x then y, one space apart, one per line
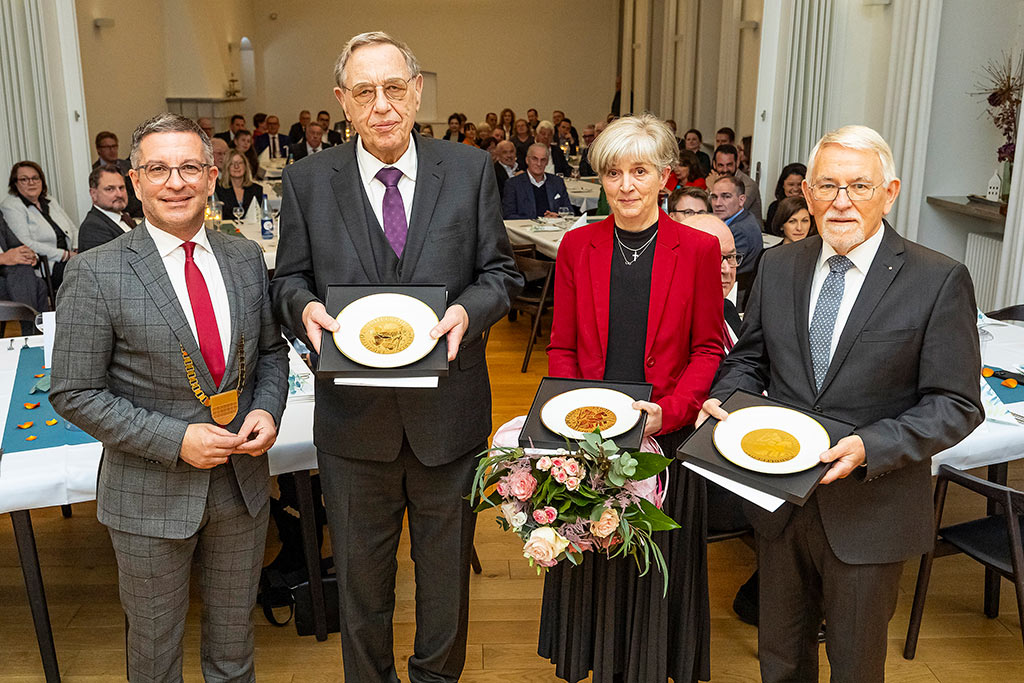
982 261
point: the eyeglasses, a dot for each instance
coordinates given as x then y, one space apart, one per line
857 192
29 179
395 89
688 212
158 174
733 259
110 146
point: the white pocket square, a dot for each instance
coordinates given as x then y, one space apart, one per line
558 196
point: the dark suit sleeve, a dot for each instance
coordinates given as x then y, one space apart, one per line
294 283
497 282
270 381
747 366
510 202
948 383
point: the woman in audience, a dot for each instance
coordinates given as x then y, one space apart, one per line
631 289
692 140
37 220
687 173
792 221
507 121
483 130
235 187
454 132
522 138
243 143
788 185
469 134
746 143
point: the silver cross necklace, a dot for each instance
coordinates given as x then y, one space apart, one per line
636 253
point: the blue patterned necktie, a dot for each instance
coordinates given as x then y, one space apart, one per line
396 228
824 321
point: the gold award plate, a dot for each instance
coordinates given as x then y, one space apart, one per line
771 440
575 413
385 330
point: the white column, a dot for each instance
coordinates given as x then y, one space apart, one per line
908 103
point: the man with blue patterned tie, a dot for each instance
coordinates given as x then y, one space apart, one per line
863 325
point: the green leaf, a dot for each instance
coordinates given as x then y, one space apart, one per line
655 519
649 464
615 478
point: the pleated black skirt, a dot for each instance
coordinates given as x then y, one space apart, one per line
603 617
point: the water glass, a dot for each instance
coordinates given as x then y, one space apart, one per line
238 212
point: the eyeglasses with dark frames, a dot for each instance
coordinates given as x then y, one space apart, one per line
395 89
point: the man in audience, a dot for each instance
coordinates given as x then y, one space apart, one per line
174 488
535 194
237 123
312 144
727 202
330 137
557 163
492 120
298 130
206 124
18 279
586 169
107 219
687 201
106 152
532 119
725 136
220 152
566 135
498 133
394 207
725 163
259 124
275 142
713 225
858 324
505 166
589 133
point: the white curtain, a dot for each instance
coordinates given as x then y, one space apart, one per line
808 65
908 103
1010 281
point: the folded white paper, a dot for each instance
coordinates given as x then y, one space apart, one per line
761 499
396 382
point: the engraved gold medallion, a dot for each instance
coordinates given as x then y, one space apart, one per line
589 418
386 335
770 445
224 406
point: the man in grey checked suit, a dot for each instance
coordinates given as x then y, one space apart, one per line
393 207
173 486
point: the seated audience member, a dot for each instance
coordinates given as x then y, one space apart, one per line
38 221
331 137
532 119
489 145
469 134
535 193
311 145
693 140
275 142
671 123
205 124
589 133
727 202
565 136
713 225
454 132
498 134
505 166
688 172
259 124
106 153
492 120
298 130
793 221
18 279
235 187
237 124
557 116
789 185
243 143
744 148
220 152
685 202
107 219
483 130
725 136
586 170
427 130
522 138
725 165
506 121
557 163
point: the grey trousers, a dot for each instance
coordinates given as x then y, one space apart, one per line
153 575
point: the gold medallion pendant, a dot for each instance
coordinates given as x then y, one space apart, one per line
224 406
589 418
770 445
386 334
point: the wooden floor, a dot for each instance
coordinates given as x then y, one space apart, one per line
957 643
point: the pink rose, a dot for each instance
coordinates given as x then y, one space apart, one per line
559 474
544 546
544 464
502 489
572 467
572 483
558 462
545 515
521 484
607 525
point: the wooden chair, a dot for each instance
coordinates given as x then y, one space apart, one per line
993 540
534 297
13 311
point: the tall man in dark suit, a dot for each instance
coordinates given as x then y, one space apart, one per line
237 123
534 194
106 154
393 207
107 219
174 488
276 142
863 325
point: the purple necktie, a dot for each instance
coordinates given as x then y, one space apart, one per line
395 226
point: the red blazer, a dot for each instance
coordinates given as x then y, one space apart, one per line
684 324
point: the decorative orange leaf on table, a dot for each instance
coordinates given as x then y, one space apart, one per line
41 374
25 425
31 438
987 372
31 406
1011 383
50 423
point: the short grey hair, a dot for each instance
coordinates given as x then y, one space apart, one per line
856 137
169 123
541 146
373 38
547 125
645 139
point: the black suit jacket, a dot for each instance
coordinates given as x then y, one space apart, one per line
501 176
261 142
97 229
227 197
226 137
558 159
456 238
332 138
296 132
299 150
134 207
905 372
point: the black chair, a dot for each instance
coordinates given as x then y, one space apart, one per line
44 269
993 540
534 298
13 311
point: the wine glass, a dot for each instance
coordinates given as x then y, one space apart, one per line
565 213
238 212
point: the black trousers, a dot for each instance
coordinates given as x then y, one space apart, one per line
366 502
802 581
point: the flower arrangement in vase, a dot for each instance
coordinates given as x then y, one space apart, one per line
1001 87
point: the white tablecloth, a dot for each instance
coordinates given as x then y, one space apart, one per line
67 474
583 194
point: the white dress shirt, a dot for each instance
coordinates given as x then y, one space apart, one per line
313 150
862 255
369 165
509 170
173 255
535 182
116 217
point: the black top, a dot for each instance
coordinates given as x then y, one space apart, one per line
227 197
44 208
629 298
540 198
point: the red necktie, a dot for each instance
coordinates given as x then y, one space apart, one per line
728 337
202 310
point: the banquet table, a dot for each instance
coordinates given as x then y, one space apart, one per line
65 474
582 193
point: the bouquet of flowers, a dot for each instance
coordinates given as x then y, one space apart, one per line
1001 88
588 499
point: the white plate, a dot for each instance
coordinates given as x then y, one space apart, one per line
361 311
553 414
812 437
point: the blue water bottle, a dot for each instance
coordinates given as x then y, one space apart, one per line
266 220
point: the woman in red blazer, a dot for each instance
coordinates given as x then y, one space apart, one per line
638 298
